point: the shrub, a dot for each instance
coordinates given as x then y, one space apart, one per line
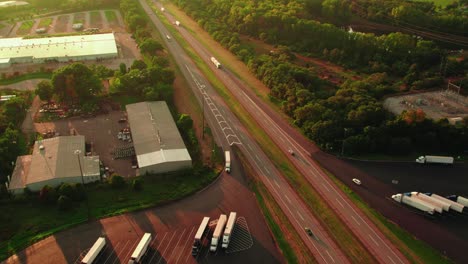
117 181
48 195
64 203
137 184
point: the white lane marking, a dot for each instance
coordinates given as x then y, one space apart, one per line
250 147
339 202
287 198
330 256
355 220
374 240
168 244
257 157
391 259
326 188
300 215
175 247
277 184
267 170
113 251
181 251
132 248
155 249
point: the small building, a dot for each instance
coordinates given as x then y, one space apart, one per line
158 145
77 26
54 161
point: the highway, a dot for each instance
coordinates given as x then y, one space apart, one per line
227 127
286 137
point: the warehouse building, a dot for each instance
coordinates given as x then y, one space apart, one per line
53 162
157 141
61 49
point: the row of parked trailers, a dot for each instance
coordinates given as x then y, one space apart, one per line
432 203
136 256
223 224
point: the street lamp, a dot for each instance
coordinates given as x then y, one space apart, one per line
77 153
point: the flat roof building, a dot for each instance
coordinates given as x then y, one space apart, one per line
157 141
52 163
62 49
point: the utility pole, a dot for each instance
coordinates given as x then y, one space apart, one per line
77 153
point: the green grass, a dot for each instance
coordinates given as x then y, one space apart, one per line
442 3
25 222
45 22
25 27
24 77
79 18
110 16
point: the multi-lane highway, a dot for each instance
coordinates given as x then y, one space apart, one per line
288 138
224 124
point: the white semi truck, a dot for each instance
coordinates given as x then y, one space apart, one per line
216 62
229 229
141 249
435 159
410 201
197 242
94 251
217 233
227 156
438 207
453 205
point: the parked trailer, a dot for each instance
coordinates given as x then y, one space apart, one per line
197 242
217 233
141 249
227 156
445 205
438 207
216 62
94 251
435 159
408 200
229 229
453 205
462 200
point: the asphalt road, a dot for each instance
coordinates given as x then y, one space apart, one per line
225 125
288 138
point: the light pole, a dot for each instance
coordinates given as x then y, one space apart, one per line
77 153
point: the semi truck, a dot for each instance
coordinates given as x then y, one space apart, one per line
229 229
197 242
227 156
453 204
141 249
462 200
94 251
435 159
216 62
217 233
410 201
424 198
445 205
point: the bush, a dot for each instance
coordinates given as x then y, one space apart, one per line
64 203
117 181
72 191
137 184
48 195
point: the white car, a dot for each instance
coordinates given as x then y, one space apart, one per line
357 181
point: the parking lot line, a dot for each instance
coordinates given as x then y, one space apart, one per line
132 248
156 248
188 239
113 251
117 252
175 247
168 244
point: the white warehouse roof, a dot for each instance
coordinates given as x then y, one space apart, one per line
61 48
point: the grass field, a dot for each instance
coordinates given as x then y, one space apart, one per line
111 16
25 27
24 77
95 17
437 2
45 22
79 18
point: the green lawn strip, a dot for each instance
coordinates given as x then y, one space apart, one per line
342 235
415 250
110 16
79 18
45 22
95 17
23 223
267 203
442 3
27 76
25 27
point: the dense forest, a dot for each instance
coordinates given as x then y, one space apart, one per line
352 114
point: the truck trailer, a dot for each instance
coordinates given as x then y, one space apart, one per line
94 251
438 206
216 62
435 159
197 242
141 249
229 229
227 156
453 205
217 233
410 201
462 200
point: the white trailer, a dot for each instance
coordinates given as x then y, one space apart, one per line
197 242
453 205
217 233
216 62
94 251
462 200
227 156
435 159
229 229
141 249
437 207
408 200
443 204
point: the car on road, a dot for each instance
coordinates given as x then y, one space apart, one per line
308 231
291 152
357 181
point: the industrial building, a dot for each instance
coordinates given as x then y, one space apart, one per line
61 49
54 161
157 141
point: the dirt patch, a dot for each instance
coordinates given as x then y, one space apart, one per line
96 20
79 18
61 24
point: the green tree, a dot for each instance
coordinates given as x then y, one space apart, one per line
64 203
139 65
185 122
150 46
117 181
44 90
122 68
137 184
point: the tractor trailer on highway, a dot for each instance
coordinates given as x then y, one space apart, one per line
415 203
217 233
227 156
435 159
229 229
141 249
197 242
94 251
216 62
